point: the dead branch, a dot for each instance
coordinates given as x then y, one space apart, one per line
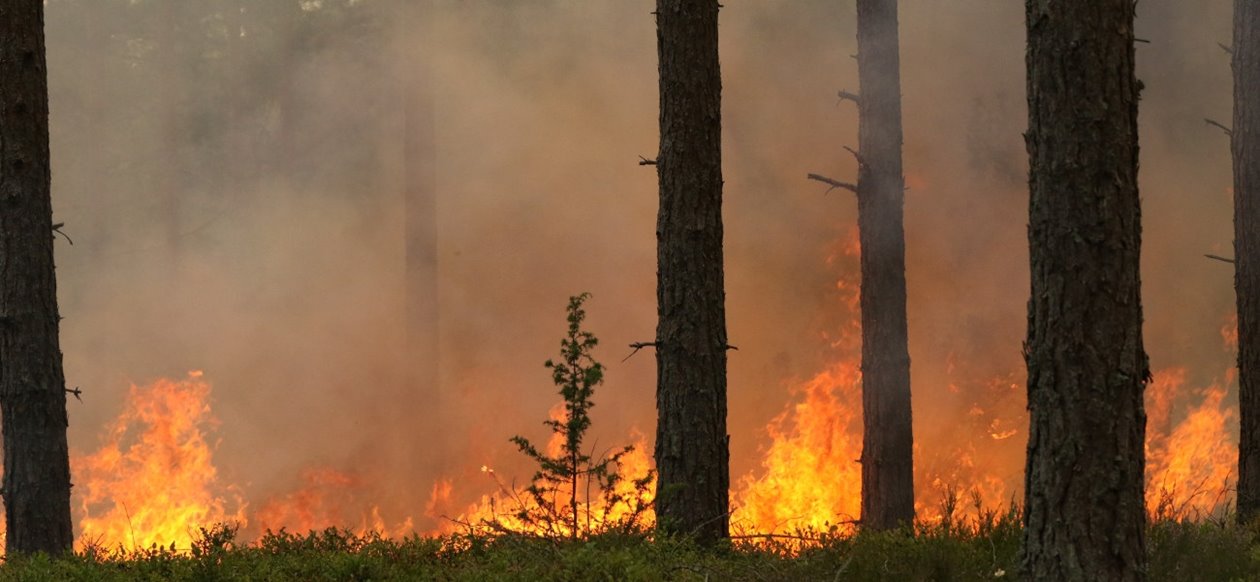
856 155
1228 50
847 96
833 183
56 228
638 346
646 162
77 392
1221 259
1142 40
1225 129
731 347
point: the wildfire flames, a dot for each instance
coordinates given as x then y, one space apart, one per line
500 510
324 501
153 481
810 477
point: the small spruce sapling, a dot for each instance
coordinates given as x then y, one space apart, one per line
555 486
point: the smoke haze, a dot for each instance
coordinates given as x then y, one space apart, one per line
231 173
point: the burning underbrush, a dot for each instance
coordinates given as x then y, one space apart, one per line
153 481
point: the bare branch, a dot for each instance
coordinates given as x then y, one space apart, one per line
731 347
56 228
856 155
1228 50
77 392
638 346
646 162
1227 130
1221 259
847 96
1142 40
833 183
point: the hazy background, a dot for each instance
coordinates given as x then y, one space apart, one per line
231 172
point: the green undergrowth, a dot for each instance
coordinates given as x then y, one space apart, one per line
978 551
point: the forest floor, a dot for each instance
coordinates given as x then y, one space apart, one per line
1179 550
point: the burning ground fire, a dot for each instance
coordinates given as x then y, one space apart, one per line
153 481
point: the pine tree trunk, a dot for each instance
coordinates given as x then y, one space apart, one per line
32 386
888 439
1246 149
691 441
1087 368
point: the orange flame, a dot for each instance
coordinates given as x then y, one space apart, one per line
154 482
326 500
811 478
1189 465
501 511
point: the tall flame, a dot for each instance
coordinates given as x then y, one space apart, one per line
810 476
153 482
1190 464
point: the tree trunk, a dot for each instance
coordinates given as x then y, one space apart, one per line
691 441
887 438
1083 511
1245 141
32 386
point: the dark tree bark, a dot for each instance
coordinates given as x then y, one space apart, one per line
887 437
692 457
32 386
1245 140
1087 368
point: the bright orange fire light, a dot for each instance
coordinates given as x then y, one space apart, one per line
810 476
500 511
1190 464
154 482
327 499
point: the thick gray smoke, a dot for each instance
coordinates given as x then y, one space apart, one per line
232 174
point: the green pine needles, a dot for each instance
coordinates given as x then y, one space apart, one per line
575 493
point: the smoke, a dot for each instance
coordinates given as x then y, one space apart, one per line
232 175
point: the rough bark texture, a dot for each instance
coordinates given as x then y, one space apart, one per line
32 388
887 437
1246 148
691 440
1087 368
